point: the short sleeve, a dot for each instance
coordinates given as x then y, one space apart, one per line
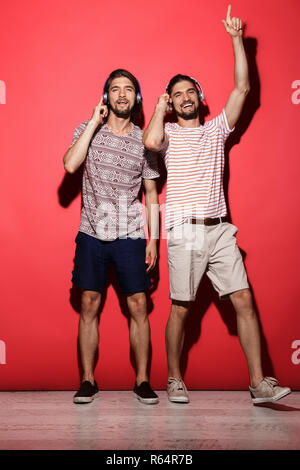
150 169
220 122
78 131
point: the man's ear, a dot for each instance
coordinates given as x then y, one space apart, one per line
170 106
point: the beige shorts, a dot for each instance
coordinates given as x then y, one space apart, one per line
197 249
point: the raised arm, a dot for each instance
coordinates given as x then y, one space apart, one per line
76 154
236 100
154 136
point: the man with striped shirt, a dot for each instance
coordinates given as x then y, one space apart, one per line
200 239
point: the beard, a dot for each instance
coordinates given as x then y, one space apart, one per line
121 113
187 115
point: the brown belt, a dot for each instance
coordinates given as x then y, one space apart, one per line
207 221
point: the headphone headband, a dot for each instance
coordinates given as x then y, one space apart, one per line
197 85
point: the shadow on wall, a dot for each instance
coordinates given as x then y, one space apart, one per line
71 187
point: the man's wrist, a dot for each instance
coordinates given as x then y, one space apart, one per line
237 39
159 111
93 124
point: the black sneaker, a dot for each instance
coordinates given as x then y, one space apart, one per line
86 393
145 394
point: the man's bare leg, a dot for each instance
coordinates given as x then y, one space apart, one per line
175 336
248 333
139 333
88 332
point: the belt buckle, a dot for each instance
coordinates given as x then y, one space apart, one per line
196 221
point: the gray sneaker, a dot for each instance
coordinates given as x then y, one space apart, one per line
177 391
268 391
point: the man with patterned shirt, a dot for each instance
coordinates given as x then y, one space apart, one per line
199 237
111 232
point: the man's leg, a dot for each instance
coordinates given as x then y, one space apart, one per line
262 389
228 275
187 260
90 272
129 261
175 336
88 332
248 333
139 333
139 336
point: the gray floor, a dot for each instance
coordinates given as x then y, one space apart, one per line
117 420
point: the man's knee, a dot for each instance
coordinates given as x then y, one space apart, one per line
180 309
137 305
242 301
90 301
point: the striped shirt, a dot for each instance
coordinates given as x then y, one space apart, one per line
194 159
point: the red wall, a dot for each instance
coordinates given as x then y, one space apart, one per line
56 56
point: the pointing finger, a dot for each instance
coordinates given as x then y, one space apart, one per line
228 14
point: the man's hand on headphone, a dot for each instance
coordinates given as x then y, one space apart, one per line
233 25
164 103
100 112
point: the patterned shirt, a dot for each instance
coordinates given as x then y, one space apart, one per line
194 159
112 175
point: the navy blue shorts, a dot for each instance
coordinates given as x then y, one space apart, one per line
93 258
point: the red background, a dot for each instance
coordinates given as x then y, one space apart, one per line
55 58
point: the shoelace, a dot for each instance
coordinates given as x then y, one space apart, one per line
176 384
271 381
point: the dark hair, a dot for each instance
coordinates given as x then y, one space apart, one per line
179 78
137 109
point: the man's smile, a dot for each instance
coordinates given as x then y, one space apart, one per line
187 105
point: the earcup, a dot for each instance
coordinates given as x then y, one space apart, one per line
105 97
138 98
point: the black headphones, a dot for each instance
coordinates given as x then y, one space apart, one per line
138 94
198 88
